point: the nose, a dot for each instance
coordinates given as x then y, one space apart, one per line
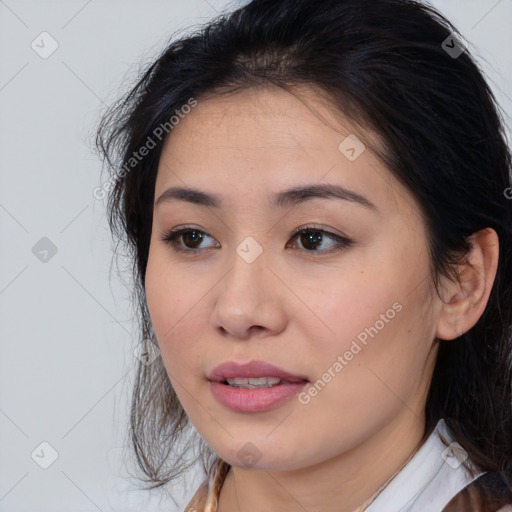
250 301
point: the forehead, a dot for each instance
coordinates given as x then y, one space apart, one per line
263 140
264 117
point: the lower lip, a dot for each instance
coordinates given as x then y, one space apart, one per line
254 400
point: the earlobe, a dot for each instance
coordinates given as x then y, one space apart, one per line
468 296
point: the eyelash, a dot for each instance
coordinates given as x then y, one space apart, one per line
341 242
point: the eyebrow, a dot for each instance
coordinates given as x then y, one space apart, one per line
290 197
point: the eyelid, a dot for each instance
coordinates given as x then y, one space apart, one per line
319 227
170 237
342 241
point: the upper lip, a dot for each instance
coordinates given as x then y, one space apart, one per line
230 370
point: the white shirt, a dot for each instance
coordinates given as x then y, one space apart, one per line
429 480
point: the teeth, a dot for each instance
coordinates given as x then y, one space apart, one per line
253 382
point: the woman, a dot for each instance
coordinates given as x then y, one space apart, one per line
315 195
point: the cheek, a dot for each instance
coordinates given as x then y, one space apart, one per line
383 336
376 316
353 303
175 303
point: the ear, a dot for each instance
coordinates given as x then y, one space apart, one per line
465 300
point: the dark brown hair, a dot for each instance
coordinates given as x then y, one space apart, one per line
384 64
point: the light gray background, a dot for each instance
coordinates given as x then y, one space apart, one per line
66 365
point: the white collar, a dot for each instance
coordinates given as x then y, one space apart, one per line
429 480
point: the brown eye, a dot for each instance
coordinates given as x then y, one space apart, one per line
192 239
315 240
311 239
187 240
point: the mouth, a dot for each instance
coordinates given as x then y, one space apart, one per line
254 382
256 374
253 387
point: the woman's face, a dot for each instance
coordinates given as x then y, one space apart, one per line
350 320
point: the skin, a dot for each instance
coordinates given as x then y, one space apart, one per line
296 308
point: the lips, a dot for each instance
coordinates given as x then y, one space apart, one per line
255 369
254 387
